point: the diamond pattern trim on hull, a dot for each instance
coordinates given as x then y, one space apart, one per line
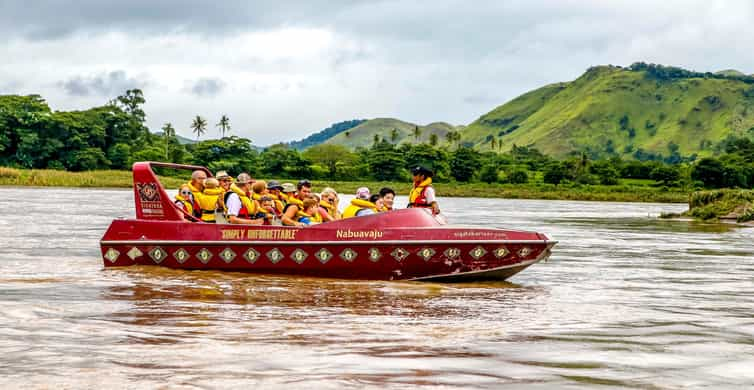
181 255
134 252
158 254
112 255
204 255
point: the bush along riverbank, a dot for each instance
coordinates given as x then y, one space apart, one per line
632 191
722 205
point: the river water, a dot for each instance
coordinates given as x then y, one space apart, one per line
626 300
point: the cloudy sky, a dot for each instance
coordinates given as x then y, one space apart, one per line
282 70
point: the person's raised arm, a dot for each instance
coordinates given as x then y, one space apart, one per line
289 217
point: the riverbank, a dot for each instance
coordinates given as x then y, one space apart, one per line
629 191
722 205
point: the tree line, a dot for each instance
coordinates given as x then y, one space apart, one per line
114 136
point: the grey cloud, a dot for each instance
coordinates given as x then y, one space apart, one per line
207 87
105 84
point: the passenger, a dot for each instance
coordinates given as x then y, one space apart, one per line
241 208
196 185
388 197
287 191
423 195
328 205
184 199
267 210
296 203
208 199
273 188
377 200
309 215
225 182
258 189
360 205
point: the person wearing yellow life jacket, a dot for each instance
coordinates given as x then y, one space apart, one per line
225 182
273 189
388 197
259 191
184 200
208 199
241 208
328 205
309 215
196 185
423 194
360 205
296 203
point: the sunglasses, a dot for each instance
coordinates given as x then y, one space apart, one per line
185 192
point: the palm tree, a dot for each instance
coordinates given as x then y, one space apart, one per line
224 125
394 135
168 132
417 133
376 139
433 139
449 136
493 143
199 126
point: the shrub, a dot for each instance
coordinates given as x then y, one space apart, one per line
518 177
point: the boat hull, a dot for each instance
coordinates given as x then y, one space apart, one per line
430 253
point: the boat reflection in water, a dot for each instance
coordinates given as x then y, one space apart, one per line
409 244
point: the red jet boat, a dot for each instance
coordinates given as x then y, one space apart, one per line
408 244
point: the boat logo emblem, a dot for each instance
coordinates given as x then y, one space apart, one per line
228 255
158 254
251 255
478 252
181 255
323 255
501 252
112 255
134 252
426 253
148 192
348 255
525 251
275 255
399 254
204 255
374 254
452 253
299 255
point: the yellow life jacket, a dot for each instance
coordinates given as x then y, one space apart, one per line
296 201
207 200
186 203
250 205
330 208
356 206
279 205
316 218
417 192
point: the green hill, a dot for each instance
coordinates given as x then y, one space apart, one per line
625 111
363 134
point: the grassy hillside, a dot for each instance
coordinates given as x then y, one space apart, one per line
363 134
614 110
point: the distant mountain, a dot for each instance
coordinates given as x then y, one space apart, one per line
633 111
181 140
324 135
363 134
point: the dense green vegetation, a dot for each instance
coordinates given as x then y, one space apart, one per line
644 112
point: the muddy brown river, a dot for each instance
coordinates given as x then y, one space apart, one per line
626 301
